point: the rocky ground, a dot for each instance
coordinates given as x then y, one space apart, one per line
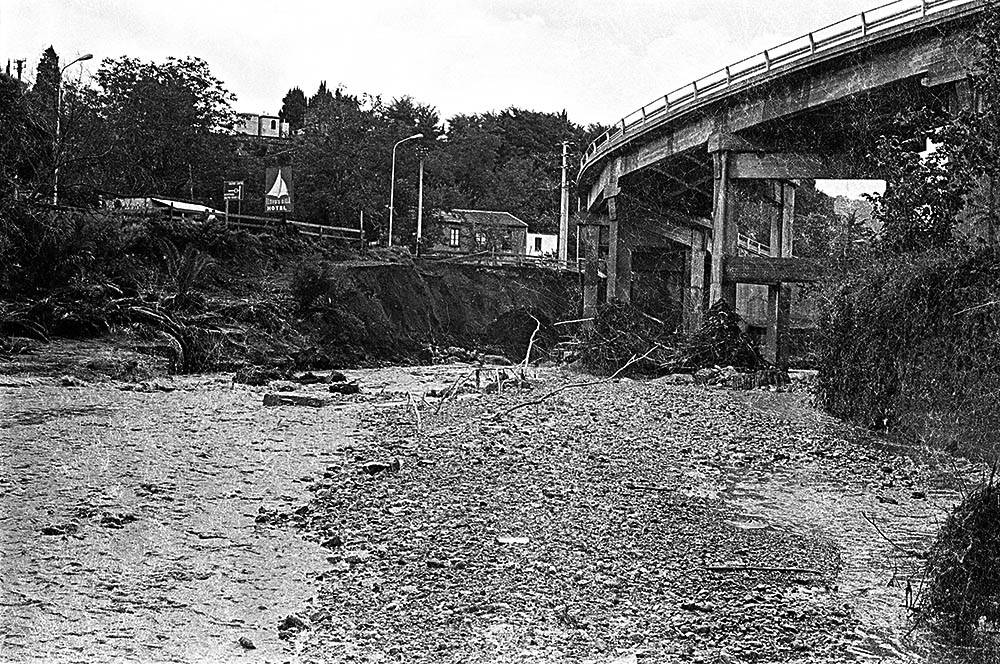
629 521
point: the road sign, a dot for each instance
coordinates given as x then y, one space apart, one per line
233 190
279 184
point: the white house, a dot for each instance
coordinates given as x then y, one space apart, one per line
542 244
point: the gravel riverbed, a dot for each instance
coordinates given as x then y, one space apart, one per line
626 521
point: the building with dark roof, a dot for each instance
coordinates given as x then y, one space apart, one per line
480 231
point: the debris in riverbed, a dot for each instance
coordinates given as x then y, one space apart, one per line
381 466
291 625
60 529
285 399
345 388
72 381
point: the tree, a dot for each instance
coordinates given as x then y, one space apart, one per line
293 108
928 195
169 127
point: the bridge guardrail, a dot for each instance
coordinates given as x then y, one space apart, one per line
714 85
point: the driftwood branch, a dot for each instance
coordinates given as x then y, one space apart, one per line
548 395
896 545
531 343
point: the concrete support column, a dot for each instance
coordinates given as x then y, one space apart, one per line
779 296
619 264
724 231
590 237
694 300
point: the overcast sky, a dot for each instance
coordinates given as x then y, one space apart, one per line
598 59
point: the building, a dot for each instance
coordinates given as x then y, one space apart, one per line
480 231
261 126
542 244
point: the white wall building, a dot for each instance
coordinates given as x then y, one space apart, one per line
542 244
262 126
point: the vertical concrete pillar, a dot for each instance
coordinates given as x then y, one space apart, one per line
590 237
694 300
724 231
779 296
619 264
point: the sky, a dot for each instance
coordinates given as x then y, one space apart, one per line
597 59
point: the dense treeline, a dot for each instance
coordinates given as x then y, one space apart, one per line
166 128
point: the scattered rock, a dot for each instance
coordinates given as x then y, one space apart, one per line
72 381
919 495
257 376
117 520
283 386
889 500
434 563
332 542
284 399
676 379
345 388
383 466
698 607
309 378
498 360
60 529
336 377
512 540
291 625
246 643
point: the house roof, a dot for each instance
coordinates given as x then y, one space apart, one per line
484 218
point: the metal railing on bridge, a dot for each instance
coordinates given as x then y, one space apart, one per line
718 83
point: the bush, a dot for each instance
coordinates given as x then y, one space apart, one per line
912 343
962 597
721 342
622 332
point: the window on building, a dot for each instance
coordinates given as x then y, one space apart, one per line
538 244
480 239
452 237
274 125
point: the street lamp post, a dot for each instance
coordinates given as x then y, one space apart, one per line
392 178
55 141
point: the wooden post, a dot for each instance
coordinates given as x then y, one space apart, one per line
695 293
724 232
590 234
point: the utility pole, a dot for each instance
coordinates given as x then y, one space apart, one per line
564 208
19 64
420 206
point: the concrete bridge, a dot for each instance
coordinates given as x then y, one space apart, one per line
708 172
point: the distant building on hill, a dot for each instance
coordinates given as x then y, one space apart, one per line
480 231
261 126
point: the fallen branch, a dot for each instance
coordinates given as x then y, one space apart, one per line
902 549
531 343
570 322
757 568
451 391
540 400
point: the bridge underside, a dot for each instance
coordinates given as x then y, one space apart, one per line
719 190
